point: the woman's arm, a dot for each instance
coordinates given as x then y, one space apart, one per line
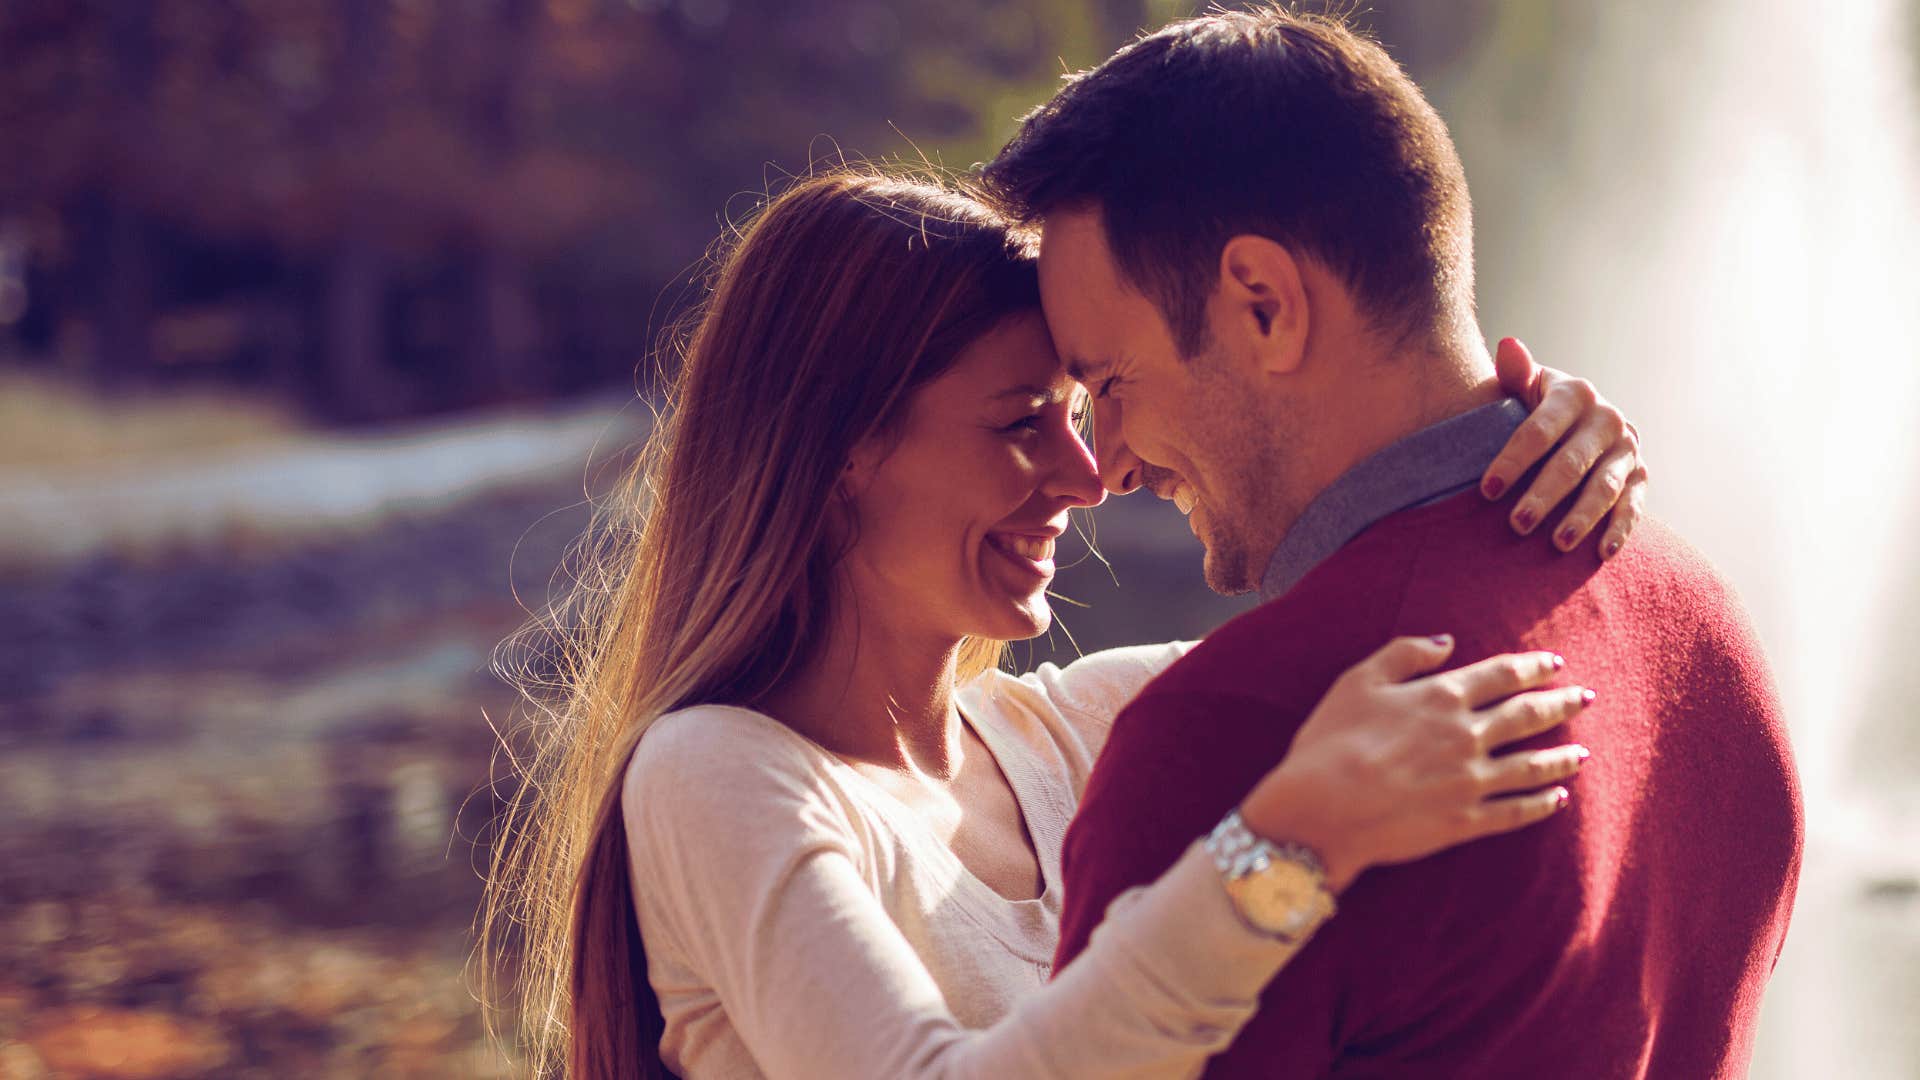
815 979
751 887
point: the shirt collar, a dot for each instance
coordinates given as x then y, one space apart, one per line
1431 464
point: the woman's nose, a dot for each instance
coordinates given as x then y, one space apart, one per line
1076 476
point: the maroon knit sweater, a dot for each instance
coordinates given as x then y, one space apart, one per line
1631 935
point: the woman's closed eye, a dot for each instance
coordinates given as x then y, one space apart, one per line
1032 422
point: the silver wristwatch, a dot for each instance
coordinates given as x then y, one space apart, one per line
1280 890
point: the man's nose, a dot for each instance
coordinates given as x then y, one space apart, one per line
1120 469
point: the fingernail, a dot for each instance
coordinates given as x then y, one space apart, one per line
1525 518
1564 538
1560 803
1613 548
1492 487
1586 698
1585 754
1443 640
1559 662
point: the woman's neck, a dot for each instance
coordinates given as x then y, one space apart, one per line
878 694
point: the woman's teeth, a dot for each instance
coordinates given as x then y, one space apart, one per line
1035 548
1184 498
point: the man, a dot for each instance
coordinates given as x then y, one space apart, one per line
1256 252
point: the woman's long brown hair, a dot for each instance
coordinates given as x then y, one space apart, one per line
708 576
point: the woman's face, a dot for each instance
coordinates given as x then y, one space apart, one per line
959 512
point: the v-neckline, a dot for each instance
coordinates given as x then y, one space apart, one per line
894 806
904 816
1028 929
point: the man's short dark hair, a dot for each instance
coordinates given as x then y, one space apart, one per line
1285 125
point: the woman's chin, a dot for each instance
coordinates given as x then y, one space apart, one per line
1037 617
1029 617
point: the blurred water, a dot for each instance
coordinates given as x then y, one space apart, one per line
302 486
246 781
1720 229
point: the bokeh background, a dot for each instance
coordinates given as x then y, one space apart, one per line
319 323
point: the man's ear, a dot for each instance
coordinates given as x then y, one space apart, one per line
1262 303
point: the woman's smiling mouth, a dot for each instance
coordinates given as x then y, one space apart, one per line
1032 552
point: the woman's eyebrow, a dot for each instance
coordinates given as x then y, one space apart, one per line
1044 393
1082 370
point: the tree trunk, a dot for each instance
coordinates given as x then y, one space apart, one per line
124 317
111 275
354 382
504 356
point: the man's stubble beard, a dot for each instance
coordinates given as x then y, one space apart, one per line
1225 570
1253 453
1241 544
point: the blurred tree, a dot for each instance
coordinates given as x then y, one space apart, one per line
462 200
527 171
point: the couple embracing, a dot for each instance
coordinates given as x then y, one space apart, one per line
1484 786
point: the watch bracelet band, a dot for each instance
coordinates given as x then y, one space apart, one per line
1238 852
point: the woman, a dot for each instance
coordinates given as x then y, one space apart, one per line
836 850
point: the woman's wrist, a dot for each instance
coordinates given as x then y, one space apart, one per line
1285 809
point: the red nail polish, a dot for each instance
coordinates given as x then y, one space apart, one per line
1585 753
1613 548
1586 698
1493 487
1443 640
1559 662
1525 518
1561 802
1565 537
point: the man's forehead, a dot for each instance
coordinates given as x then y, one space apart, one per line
1076 290
1071 236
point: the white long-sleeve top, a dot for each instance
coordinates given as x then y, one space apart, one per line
802 922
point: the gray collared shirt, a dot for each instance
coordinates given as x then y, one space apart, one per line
1429 465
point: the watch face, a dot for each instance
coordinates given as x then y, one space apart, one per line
1279 899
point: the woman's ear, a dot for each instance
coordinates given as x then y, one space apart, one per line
1262 303
862 463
